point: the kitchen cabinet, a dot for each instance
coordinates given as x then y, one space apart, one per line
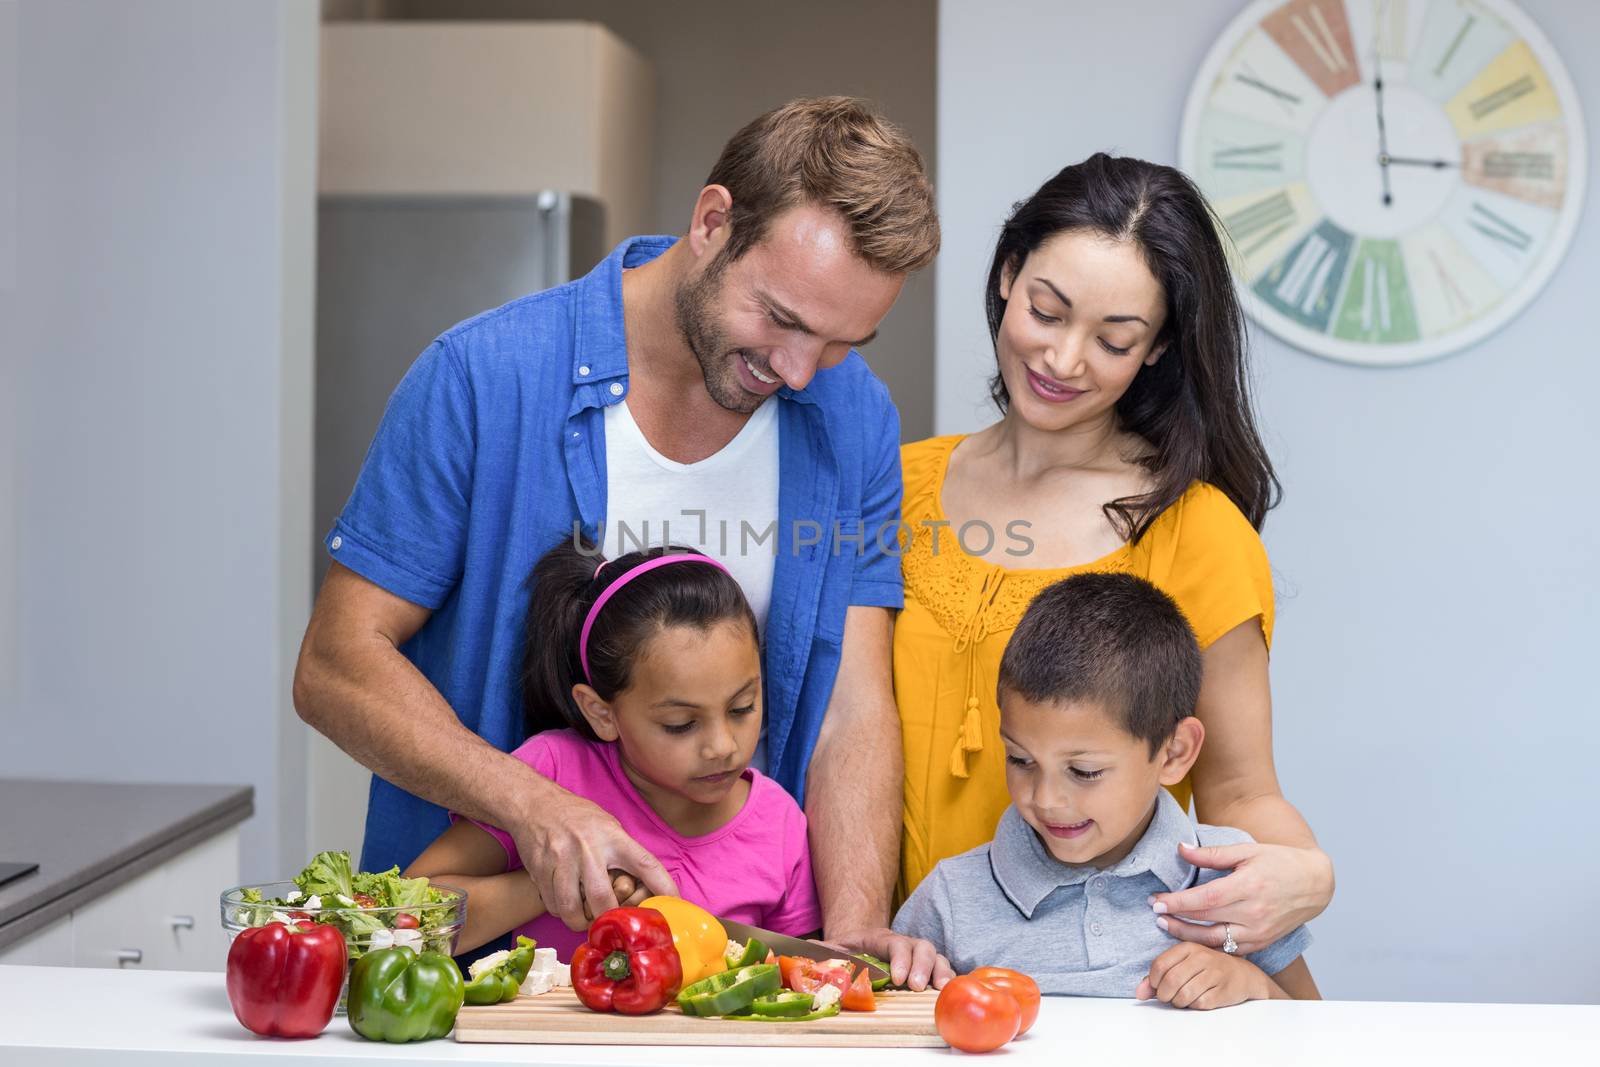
129 875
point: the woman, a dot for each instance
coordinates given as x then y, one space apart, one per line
1126 442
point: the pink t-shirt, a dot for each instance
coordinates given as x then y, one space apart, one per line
754 870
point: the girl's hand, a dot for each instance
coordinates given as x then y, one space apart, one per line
1272 890
1193 976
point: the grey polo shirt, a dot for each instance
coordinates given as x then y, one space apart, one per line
1077 930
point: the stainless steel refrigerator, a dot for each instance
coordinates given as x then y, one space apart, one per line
395 272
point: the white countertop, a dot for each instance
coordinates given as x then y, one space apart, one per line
60 1015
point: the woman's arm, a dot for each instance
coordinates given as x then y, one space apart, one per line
1283 879
498 900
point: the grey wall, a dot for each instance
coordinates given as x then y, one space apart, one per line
163 397
720 63
1436 554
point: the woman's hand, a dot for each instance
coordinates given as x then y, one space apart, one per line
1272 889
1192 976
913 962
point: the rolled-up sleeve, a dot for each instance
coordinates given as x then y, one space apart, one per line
405 525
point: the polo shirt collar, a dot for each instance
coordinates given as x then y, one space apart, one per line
1027 873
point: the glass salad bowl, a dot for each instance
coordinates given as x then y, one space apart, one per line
427 925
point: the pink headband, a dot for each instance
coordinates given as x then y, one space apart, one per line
626 577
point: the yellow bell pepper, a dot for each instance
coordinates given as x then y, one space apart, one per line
696 934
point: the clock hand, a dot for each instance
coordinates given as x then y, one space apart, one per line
1383 133
1406 161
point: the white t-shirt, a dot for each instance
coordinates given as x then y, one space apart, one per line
648 495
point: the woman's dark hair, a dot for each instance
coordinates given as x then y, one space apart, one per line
1193 405
565 584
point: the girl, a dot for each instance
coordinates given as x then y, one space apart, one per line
641 690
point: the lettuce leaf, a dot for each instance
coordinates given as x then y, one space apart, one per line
328 875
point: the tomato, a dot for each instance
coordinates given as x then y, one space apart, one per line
975 1017
406 921
808 976
1019 985
859 996
364 901
301 916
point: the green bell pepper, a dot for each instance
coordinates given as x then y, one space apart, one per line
784 1005
731 991
809 1017
501 982
878 984
397 995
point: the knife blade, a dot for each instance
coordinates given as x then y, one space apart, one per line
784 945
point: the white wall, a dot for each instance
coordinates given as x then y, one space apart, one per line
164 320
1437 551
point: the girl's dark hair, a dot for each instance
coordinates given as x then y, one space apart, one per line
564 585
1194 404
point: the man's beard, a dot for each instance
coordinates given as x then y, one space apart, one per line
695 305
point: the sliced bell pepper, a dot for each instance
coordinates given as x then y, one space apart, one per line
749 954
283 981
501 982
730 992
783 1005
398 995
809 1017
878 984
700 939
628 964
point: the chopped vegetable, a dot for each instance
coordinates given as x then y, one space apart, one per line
500 980
731 992
809 1017
825 997
739 955
785 1004
859 996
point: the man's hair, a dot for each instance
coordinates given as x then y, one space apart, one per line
1109 639
834 152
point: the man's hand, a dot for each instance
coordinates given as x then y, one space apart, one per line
1193 976
571 849
913 962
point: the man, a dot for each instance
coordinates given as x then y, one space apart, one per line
710 382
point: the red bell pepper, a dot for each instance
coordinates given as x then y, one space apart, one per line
283 981
628 964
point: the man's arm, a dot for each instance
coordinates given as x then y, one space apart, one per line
854 804
353 684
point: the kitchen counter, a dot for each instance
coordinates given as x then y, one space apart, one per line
90 837
54 1015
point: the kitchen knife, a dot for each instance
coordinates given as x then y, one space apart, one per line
784 945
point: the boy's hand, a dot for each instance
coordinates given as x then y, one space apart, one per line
1194 976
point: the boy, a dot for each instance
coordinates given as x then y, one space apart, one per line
1097 689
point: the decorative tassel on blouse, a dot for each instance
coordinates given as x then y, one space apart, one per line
970 740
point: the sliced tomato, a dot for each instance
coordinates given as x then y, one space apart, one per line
301 916
364 901
406 921
808 976
859 996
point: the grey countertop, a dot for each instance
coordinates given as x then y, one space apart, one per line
90 837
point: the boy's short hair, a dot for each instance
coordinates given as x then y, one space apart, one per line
1111 639
835 152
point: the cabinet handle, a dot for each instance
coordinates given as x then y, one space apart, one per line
181 922
126 956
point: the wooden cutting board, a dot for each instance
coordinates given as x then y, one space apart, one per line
903 1020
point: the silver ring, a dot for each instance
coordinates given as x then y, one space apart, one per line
1229 945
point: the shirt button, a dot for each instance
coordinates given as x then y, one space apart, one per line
576 435
337 543
616 388
583 372
1096 929
1100 884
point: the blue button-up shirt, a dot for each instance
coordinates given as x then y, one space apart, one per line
493 446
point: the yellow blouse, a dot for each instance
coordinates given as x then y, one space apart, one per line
960 611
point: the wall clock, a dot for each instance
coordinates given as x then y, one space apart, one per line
1398 177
